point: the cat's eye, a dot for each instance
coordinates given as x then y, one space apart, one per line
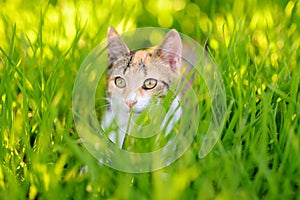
120 82
149 84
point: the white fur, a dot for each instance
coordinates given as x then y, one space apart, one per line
119 114
172 116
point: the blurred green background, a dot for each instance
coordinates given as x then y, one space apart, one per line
256 46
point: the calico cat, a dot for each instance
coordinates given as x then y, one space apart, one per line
135 78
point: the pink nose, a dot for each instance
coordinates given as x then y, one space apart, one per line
131 103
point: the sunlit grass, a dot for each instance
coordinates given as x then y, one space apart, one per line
256 48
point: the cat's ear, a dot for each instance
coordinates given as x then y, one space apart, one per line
170 50
116 46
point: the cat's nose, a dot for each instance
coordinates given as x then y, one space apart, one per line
131 103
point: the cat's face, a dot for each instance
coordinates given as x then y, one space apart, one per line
134 78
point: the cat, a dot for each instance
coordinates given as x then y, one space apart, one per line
134 78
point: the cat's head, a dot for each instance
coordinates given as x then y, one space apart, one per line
135 77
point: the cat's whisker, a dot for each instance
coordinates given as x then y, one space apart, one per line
102 98
101 106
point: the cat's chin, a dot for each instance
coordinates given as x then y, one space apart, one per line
128 111
135 111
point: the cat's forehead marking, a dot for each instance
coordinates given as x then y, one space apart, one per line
129 63
137 61
142 67
140 56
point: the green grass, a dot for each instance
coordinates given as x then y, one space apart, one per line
256 47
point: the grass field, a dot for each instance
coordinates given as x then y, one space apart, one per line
256 45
